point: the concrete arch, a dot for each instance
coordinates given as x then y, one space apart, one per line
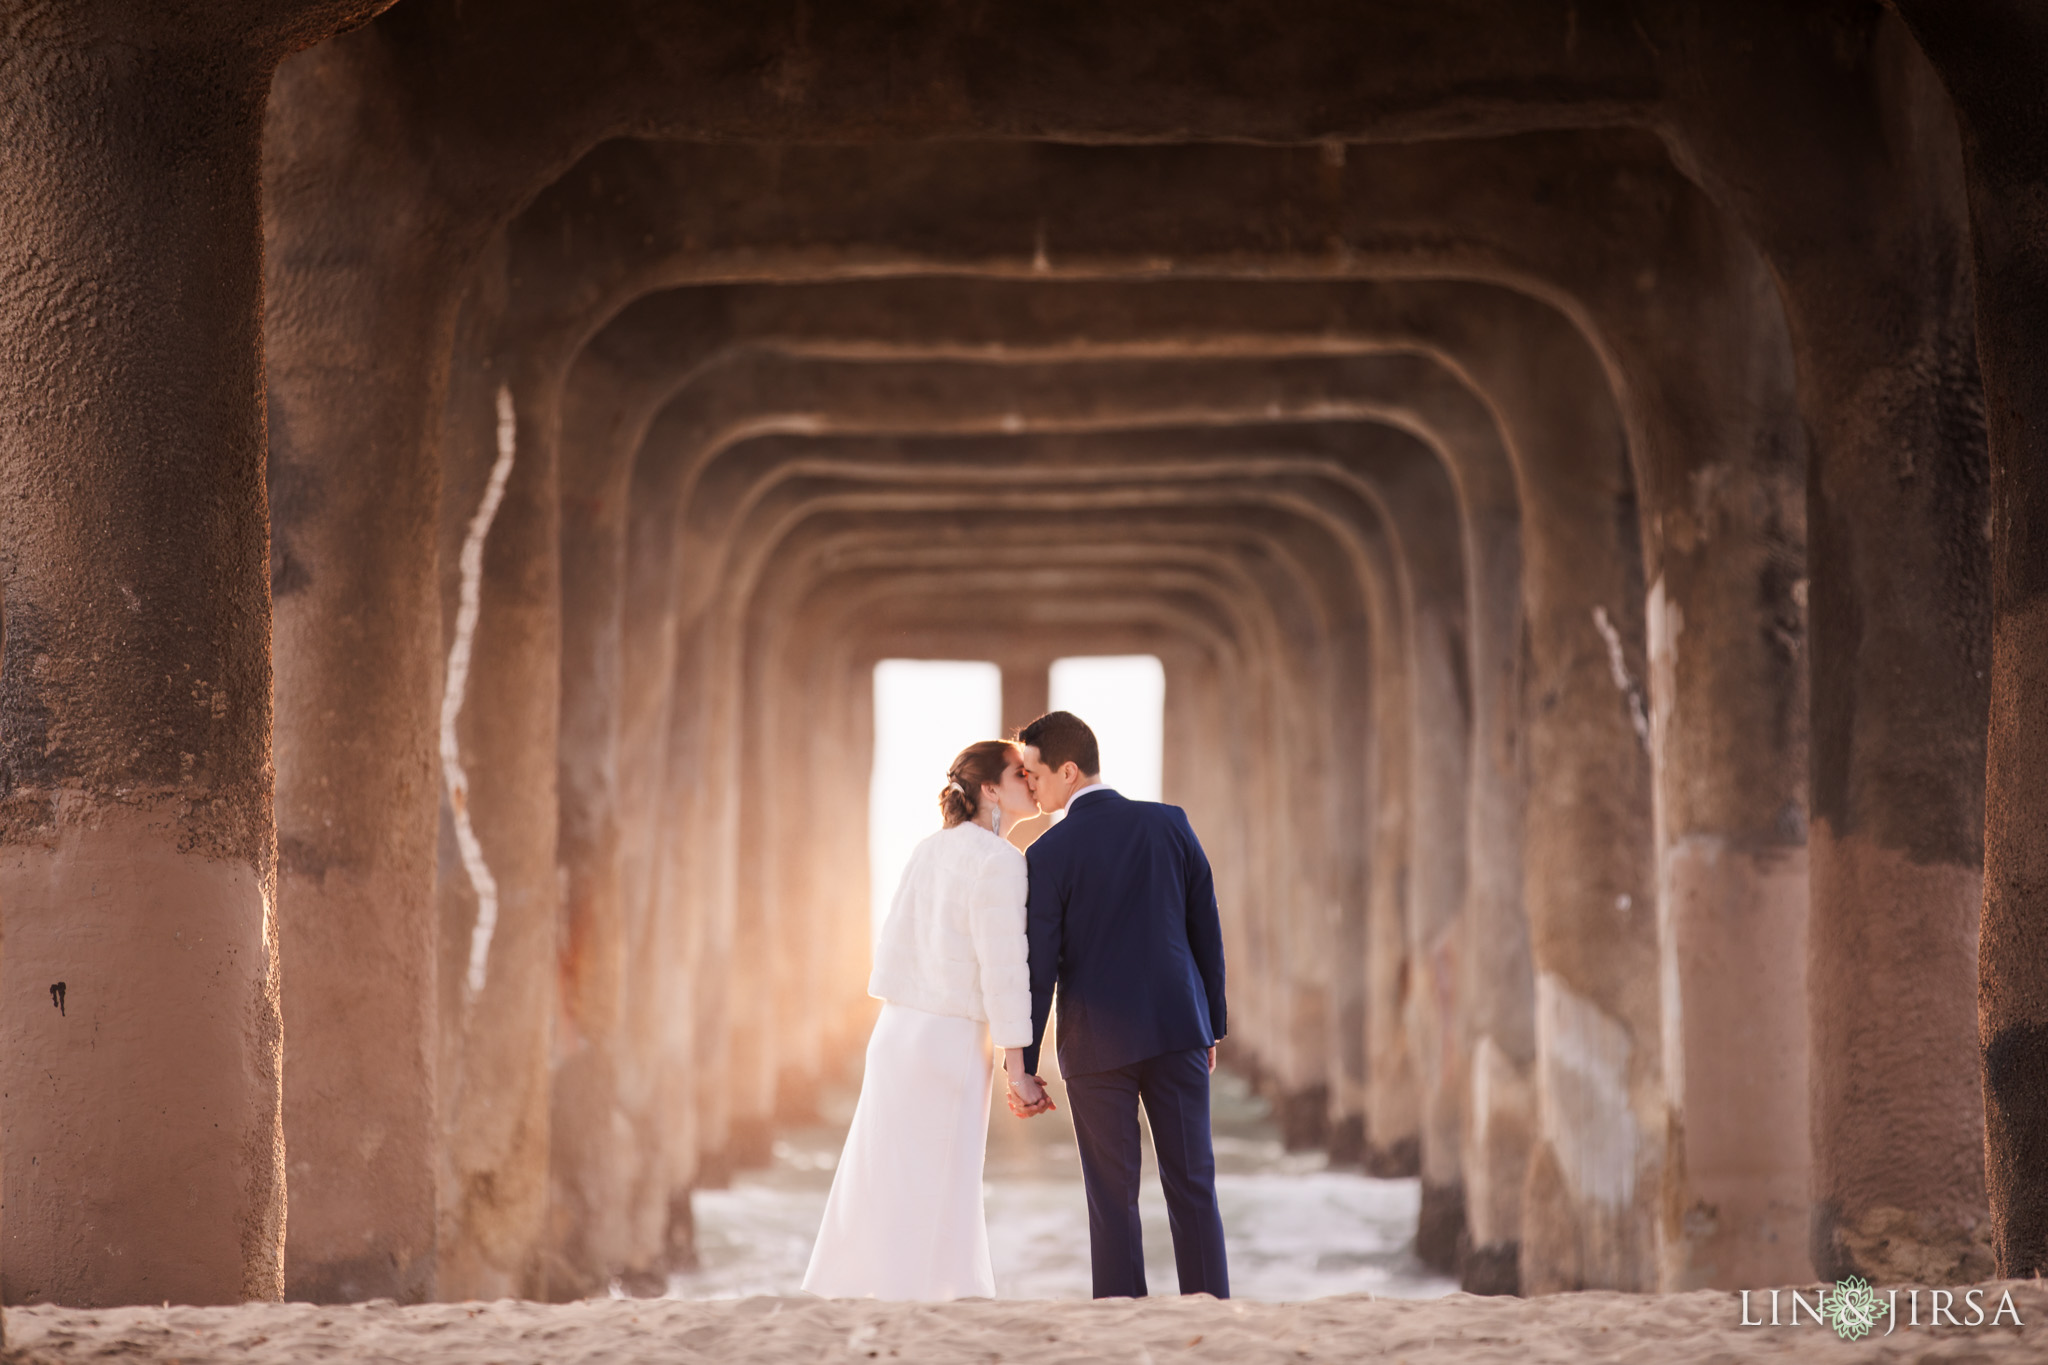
1493 195
397 152
1212 387
1303 824
1135 319
1491 190
1439 788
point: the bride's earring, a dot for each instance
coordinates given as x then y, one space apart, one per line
996 817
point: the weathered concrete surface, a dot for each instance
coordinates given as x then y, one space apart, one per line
358 336
497 970
144 1158
756 1071
1983 52
1855 198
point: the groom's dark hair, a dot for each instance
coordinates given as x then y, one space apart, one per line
1062 737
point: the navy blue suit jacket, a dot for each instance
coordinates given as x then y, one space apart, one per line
1122 916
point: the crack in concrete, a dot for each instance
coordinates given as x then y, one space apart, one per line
452 773
1619 666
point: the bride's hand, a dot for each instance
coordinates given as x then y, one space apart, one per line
1027 1097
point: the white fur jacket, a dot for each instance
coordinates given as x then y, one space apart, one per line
954 940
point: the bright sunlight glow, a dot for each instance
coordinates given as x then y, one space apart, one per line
926 711
1123 699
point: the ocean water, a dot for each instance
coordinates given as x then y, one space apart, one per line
1294 1228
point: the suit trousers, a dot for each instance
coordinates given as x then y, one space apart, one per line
1174 1089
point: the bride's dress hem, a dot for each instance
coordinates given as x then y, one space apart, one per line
904 1221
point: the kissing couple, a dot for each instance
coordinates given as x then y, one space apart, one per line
1114 909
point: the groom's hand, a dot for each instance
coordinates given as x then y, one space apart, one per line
1212 1059
1022 1110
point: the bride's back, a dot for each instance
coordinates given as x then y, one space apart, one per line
954 938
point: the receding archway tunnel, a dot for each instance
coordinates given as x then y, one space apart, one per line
1576 466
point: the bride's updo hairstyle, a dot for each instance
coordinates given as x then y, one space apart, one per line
982 761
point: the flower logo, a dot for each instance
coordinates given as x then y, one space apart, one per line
1852 1309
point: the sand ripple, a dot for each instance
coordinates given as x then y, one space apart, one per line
1457 1330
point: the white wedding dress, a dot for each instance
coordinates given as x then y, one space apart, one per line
905 1219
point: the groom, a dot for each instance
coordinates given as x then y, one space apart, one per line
1122 915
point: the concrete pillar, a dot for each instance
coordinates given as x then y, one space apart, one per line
1587 832
610 1216
1719 453
619 652
381 198
355 497
1027 686
1861 216
143 1049
499 542
1983 52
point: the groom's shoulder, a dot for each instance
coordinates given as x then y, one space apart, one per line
1062 838
1167 823
1159 812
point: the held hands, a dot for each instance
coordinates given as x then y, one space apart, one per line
1021 1097
1026 1094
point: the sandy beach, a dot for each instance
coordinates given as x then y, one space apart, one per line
1458 1330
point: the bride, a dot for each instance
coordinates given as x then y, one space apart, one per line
904 1219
